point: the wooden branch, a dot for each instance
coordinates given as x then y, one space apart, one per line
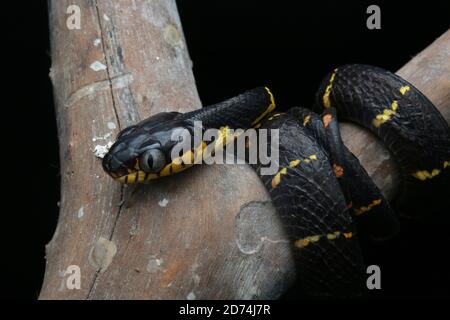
201 234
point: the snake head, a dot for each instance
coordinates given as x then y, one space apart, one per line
142 152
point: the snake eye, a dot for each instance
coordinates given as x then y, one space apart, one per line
152 160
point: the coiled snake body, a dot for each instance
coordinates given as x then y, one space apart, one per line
320 188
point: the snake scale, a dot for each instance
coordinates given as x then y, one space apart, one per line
322 194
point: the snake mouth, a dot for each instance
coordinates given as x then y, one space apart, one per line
138 176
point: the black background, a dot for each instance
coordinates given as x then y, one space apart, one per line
234 45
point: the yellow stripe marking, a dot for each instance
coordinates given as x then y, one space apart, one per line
269 108
386 115
188 157
332 236
177 166
364 209
199 151
326 96
347 235
136 165
294 163
275 115
132 177
152 176
223 134
394 106
306 120
277 177
301 243
140 176
425 174
167 169
224 138
221 139
404 89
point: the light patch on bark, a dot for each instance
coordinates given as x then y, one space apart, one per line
101 150
97 66
102 253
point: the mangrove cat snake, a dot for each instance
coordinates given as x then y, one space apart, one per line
320 190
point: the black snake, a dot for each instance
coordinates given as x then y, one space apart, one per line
320 188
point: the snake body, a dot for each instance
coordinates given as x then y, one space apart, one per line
322 194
